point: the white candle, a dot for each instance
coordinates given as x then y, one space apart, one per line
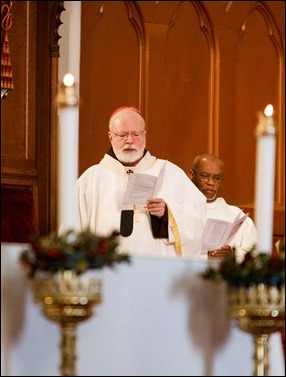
67 153
264 180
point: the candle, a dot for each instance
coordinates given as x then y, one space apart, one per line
67 153
264 180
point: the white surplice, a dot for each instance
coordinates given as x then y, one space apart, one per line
246 236
100 192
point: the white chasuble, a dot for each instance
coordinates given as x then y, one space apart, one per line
100 193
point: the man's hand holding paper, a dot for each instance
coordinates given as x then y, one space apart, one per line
156 207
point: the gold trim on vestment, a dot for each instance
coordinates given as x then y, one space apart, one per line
178 243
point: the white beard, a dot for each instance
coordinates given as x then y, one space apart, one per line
128 158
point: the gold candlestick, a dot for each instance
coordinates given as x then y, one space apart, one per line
58 265
260 311
67 299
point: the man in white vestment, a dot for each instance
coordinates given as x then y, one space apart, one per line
169 223
207 174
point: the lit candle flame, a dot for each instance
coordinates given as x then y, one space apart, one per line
268 110
68 79
67 95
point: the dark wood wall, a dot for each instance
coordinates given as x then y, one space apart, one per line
198 70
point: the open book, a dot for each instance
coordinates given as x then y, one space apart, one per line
218 233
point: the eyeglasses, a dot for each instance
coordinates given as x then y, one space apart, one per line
135 135
205 177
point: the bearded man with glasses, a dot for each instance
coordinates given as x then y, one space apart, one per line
208 174
168 223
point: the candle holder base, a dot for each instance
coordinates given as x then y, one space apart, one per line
67 299
260 311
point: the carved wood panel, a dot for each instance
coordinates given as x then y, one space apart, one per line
28 113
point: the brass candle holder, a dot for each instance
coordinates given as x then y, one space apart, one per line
260 311
256 297
58 265
67 299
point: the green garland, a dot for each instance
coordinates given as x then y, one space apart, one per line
72 251
254 269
